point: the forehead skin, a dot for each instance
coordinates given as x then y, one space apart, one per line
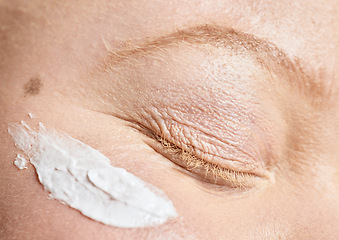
58 41
304 30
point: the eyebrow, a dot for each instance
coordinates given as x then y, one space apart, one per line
265 53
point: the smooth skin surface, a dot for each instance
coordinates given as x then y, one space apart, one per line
250 87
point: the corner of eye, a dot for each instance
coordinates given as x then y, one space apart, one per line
268 177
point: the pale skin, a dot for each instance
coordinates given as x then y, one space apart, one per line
113 73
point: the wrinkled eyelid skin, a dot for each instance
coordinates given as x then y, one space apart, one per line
204 170
215 141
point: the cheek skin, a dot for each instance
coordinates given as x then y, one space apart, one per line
271 212
126 149
117 146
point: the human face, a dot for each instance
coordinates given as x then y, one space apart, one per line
250 87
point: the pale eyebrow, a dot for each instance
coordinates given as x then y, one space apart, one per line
265 53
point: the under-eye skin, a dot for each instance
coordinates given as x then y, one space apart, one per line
201 169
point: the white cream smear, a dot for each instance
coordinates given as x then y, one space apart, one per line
20 162
83 178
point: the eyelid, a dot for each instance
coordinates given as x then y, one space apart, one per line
202 169
213 139
180 140
216 174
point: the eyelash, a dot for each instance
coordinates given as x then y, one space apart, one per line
214 173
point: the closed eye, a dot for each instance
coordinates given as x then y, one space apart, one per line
201 169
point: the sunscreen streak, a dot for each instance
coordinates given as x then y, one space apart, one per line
83 178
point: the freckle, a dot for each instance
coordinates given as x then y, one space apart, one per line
33 86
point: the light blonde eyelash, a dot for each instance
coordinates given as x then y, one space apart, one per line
234 178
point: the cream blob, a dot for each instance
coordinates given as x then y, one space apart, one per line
20 162
84 179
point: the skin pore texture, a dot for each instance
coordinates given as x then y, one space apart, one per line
229 107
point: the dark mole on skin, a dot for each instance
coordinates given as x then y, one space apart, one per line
33 86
